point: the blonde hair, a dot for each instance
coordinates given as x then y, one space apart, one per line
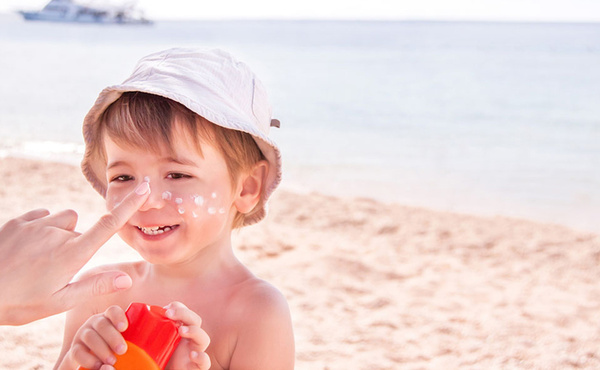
146 121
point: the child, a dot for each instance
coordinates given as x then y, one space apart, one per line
190 128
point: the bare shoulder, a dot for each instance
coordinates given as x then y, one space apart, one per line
265 338
258 297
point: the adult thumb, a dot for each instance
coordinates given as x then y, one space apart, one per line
89 287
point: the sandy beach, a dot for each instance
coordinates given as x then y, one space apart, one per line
372 285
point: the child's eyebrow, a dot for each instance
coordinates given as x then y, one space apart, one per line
115 164
182 161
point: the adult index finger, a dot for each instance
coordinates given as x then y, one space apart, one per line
113 221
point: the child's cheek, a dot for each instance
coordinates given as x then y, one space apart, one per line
196 205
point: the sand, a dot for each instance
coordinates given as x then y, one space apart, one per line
376 286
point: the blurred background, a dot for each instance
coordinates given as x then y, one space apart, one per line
486 107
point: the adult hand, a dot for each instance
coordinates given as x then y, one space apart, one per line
41 253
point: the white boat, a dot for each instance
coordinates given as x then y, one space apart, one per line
75 11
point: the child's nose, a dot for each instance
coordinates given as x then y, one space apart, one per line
155 199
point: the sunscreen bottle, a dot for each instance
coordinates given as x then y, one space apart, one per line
151 339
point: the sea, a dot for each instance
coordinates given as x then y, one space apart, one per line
468 117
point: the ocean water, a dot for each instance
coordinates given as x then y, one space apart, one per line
484 118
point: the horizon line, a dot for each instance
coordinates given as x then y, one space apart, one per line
364 19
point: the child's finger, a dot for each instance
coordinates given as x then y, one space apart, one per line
110 325
97 345
201 360
179 312
199 337
117 317
82 356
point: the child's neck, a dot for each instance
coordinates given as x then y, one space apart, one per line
208 266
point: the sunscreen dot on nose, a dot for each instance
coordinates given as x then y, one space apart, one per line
213 195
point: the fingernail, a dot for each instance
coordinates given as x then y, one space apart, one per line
121 327
143 188
170 313
184 329
121 349
123 282
194 354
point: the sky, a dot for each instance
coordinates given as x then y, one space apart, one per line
472 10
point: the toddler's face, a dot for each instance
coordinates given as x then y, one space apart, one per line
191 200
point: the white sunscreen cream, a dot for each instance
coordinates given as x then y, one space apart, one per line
195 203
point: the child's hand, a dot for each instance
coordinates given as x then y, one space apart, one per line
190 353
97 340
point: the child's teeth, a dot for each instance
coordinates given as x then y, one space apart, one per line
155 230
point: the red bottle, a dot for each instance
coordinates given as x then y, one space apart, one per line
151 339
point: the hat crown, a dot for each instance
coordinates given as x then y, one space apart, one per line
177 72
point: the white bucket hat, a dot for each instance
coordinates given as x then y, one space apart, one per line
212 84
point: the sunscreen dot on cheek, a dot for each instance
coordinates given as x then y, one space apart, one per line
181 211
213 195
212 210
222 211
199 200
194 214
147 178
178 200
167 195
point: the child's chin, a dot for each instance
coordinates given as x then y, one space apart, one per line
155 256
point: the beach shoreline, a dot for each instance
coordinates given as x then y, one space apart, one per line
373 285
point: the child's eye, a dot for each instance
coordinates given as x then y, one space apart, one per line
177 176
121 178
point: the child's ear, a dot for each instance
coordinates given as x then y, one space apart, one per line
251 187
